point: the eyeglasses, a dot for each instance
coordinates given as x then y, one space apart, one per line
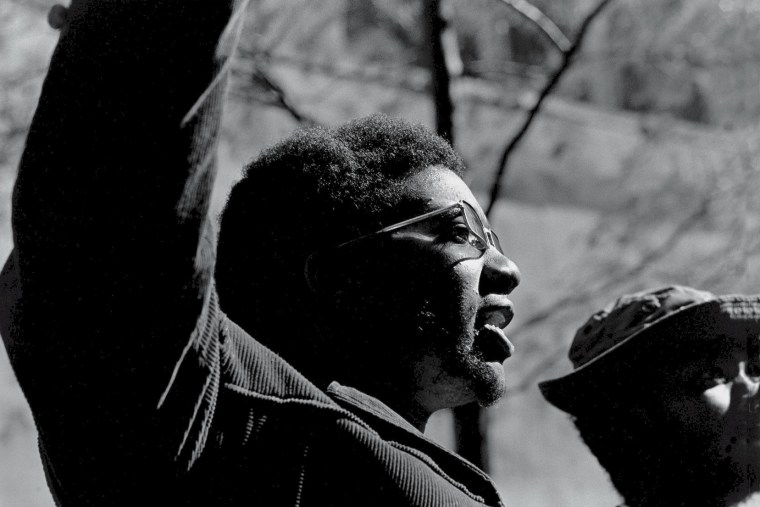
462 231
472 239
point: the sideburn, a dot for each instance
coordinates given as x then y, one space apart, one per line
382 307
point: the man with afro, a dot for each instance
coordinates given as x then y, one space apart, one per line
357 288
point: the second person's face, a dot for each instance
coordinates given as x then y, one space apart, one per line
713 402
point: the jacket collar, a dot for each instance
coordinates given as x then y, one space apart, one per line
364 404
391 426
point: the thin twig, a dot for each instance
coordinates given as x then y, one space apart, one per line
567 57
287 23
395 74
401 75
281 99
542 21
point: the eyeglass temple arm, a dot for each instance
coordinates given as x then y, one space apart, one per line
399 225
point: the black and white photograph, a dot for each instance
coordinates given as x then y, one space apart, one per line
414 253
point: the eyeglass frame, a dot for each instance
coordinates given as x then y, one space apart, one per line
491 239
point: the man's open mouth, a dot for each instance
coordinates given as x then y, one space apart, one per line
491 344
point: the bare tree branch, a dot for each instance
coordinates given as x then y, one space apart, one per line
401 24
374 74
327 16
397 74
567 57
505 67
280 98
283 101
686 225
542 21
575 300
704 60
283 26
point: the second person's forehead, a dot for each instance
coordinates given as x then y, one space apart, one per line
731 347
740 339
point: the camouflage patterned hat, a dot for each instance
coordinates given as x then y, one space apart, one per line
612 336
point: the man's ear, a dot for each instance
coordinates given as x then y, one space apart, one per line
310 274
318 273
330 300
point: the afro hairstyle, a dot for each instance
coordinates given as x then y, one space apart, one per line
312 191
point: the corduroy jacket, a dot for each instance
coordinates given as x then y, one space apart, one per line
142 390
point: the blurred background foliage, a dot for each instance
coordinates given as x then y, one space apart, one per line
640 170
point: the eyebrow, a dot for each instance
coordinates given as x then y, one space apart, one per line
450 214
443 217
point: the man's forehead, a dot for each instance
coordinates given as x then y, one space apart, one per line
437 186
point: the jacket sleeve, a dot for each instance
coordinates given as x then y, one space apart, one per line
111 274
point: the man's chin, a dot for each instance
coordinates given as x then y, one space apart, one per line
489 384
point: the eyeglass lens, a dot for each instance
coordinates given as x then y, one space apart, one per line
476 225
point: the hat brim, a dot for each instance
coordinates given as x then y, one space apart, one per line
577 390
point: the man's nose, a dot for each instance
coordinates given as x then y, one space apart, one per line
500 275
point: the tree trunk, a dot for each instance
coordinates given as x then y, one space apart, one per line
470 432
440 81
469 428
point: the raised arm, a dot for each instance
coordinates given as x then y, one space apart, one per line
109 218
113 185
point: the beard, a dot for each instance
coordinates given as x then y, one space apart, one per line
419 311
447 331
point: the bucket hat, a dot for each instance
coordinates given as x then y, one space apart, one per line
639 324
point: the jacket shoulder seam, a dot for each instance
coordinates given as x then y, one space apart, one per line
295 400
429 462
